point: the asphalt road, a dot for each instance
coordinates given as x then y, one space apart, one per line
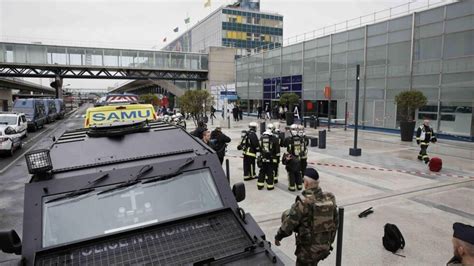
14 174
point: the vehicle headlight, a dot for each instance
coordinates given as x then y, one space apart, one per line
38 161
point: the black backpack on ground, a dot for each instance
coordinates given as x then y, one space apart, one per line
393 238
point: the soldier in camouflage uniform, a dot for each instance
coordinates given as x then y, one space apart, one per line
314 220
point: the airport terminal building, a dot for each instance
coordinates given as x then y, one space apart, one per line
245 28
431 51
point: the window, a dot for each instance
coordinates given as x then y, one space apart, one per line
429 48
128 208
376 56
459 44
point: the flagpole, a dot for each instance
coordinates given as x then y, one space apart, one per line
187 24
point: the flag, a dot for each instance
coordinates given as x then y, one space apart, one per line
176 29
187 20
164 40
207 3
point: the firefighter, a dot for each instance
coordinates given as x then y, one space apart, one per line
304 149
425 135
292 159
250 146
275 128
265 160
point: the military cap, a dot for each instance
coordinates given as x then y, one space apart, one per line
311 173
464 232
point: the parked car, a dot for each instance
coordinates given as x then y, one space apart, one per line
17 121
60 108
10 140
34 111
50 108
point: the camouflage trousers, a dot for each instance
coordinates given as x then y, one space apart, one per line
315 259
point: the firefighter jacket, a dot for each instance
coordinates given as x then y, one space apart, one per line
294 146
249 143
425 134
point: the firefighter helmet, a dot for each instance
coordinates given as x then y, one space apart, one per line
270 127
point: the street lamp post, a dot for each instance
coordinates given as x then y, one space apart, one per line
356 151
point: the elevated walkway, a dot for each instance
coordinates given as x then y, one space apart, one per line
51 61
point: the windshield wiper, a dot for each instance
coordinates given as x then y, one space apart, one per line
80 191
132 181
173 174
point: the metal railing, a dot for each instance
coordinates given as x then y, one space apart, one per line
372 18
24 53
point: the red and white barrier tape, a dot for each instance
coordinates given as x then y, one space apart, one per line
379 169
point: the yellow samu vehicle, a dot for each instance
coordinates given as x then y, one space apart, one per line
110 114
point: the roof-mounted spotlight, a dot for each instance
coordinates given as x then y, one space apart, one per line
38 162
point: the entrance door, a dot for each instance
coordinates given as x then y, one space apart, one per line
4 105
322 108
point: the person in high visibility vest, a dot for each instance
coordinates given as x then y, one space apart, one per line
425 135
249 146
279 139
304 149
292 159
265 160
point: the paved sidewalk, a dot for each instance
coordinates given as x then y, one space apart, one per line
387 177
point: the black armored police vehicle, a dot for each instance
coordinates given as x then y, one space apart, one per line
144 193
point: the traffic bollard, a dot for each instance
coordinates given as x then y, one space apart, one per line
262 127
322 139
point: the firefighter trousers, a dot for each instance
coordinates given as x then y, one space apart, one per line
275 164
294 175
249 167
423 155
265 176
304 164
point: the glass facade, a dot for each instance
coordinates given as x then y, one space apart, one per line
81 56
431 51
247 30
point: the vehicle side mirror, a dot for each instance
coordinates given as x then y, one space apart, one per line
10 242
10 131
239 191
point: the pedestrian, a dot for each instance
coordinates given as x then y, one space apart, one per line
314 220
265 160
235 113
213 111
249 146
268 112
292 159
219 140
463 245
259 111
275 111
206 137
241 113
201 128
425 135
281 113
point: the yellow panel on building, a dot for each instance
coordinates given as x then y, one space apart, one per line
239 19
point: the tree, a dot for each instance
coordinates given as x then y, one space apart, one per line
150 99
196 102
289 99
408 102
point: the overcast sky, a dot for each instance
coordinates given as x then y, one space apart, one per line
144 23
